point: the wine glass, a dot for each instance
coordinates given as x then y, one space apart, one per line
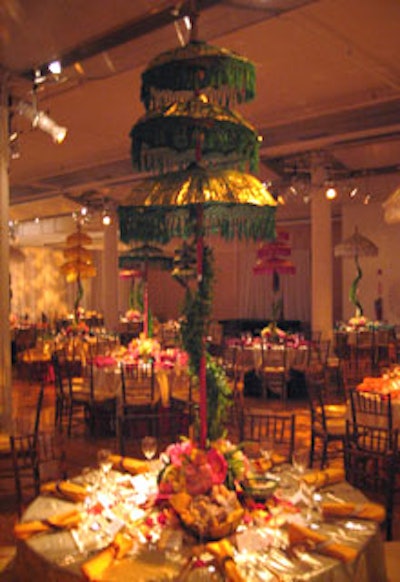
149 447
267 447
104 460
300 460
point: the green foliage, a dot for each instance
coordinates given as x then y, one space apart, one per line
219 400
196 312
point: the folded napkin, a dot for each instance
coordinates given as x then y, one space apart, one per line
262 464
65 490
223 551
65 520
94 568
323 477
319 542
372 511
129 464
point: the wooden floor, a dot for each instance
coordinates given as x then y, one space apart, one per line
82 448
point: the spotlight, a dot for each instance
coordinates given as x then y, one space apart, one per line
106 219
280 200
55 67
367 199
353 192
42 121
331 193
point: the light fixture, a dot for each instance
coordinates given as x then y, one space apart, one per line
106 218
55 67
41 120
331 193
38 77
353 192
367 199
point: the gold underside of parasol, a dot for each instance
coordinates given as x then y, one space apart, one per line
201 186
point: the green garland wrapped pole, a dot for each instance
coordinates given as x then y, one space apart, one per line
353 295
356 246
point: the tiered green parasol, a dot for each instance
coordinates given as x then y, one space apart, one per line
200 152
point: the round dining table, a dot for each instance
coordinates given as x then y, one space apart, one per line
57 555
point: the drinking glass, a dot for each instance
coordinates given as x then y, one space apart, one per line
267 447
104 460
149 447
300 460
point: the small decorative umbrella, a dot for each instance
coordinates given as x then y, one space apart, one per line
270 261
79 264
356 246
145 256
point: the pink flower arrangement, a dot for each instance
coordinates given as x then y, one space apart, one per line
144 348
170 358
133 315
79 328
188 468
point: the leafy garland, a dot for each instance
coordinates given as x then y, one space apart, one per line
196 314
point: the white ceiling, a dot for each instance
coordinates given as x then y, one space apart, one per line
328 90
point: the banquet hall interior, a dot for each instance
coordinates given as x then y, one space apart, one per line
302 321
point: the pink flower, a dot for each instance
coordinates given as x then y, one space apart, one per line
179 452
219 466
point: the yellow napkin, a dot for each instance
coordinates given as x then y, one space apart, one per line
132 466
262 465
223 551
319 542
65 520
94 568
372 511
65 490
324 477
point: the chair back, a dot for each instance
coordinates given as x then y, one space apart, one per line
36 458
279 428
138 383
166 425
370 460
372 408
315 393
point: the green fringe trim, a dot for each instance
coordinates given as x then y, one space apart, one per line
156 142
196 66
162 223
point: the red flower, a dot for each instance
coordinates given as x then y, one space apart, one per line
219 466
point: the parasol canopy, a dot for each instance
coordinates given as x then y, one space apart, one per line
228 77
79 238
234 204
77 269
356 246
274 264
170 138
78 253
147 254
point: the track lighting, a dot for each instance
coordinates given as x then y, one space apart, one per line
41 120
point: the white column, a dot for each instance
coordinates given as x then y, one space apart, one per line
321 257
5 345
110 279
